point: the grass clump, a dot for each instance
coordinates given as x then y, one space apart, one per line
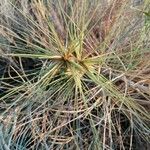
75 75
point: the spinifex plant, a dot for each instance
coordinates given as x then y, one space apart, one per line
73 78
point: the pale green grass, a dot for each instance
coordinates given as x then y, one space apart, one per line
88 88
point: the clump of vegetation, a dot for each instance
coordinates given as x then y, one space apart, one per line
75 75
